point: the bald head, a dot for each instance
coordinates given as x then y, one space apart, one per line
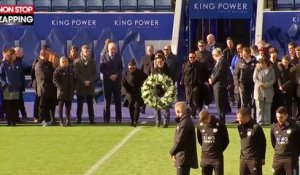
210 39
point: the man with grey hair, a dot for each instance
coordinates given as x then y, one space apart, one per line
219 81
85 73
184 150
19 58
211 43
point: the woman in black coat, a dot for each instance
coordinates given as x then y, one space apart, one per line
132 82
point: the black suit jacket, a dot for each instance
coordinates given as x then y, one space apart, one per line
219 73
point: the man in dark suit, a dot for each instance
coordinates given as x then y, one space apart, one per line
219 82
184 151
172 62
111 67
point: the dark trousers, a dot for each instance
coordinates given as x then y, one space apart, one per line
134 110
286 166
36 107
210 165
246 97
112 88
250 167
68 105
47 109
221 100
183 170
194 99
89 101
11 111
22 106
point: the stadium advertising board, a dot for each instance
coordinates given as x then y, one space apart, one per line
220 9
281 28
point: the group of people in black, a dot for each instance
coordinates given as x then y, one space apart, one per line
212 136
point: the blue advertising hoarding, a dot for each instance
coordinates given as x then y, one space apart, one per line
151 26
281 28
221 9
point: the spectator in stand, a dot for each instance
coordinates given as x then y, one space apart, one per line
285 140
161 68
11 79
211 43
219 81
19 58
292 53
132 82
73 55
230 50
184 149
286 84
63 79
264 79
85 73
171 62
213 137
46 90
243 77
195 89
254 51
147 65
111 67
276 99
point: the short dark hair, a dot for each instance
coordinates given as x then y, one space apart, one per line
229 38
247 50
282 110
244 111
132 62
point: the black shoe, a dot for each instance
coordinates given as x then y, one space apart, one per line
118 121
134 124
78 121
92 122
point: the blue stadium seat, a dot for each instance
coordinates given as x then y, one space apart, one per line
25 2
42 5
57 42
129 5
297 4
31 51
77 5
8 2
60 5
146 5
285 4
163 5
94 5
111 5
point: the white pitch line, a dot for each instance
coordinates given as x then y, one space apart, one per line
111 152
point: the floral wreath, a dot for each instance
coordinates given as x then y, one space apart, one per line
148 91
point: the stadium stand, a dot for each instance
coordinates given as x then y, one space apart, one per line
42 5
8 2
94 5
60 5
25 2
285 4
129 5
163 5
32 49
57 42
297 4
146 5
6 39
77 5
111 5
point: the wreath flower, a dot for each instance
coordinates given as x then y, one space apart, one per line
151 98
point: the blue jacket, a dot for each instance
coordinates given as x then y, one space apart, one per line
11 76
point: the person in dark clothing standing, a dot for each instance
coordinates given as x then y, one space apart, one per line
161 68
184 150
253 144
45 88
205 56
285 140
194 76
19 58
11 80
132 82
172 62
243 77
218 80
111 67
213 137
230 50
85 73
63 79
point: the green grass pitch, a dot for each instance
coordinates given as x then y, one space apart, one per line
34 150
